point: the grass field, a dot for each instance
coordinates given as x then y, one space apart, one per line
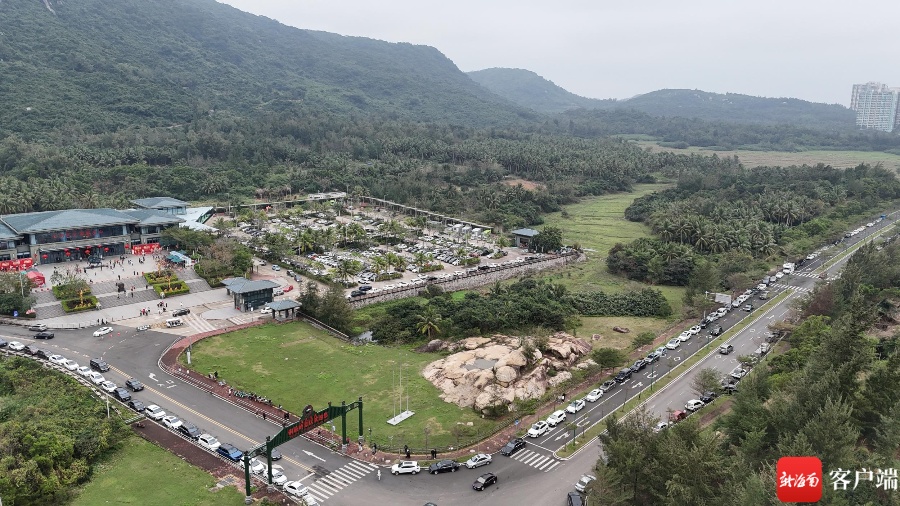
598 223
296 364
142 473
840 159
591 325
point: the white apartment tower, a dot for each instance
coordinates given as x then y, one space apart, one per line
876 106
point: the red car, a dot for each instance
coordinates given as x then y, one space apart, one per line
677 416
288 288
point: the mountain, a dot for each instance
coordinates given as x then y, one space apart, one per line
95 65
528 89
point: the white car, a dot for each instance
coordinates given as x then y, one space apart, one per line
256 466
538 429
154 412
57 359
309 500
295 488
694 405
695 330
738 372
594 395
762 286
673 343
83 371
96 378
102 331
278 477
108 387
660 426
556 418
406 467
209 442
16 346
684 336
575 406
779 275
172 422
482 459
722 311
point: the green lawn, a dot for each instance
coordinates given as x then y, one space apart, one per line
591 325
142 473
296 364
598 223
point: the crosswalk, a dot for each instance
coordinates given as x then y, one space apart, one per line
797 288
342 477
198 322
806 274
536 460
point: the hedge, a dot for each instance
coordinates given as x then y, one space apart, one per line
431 267
389 275
177 288
69 305
647 302
153 278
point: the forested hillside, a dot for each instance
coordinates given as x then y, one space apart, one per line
95 66
528 89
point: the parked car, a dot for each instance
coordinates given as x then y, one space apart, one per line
574 499
538 429
57 359
717 331
684 336
44 335
513 446
16 346
209 442
99 364
444 466
661 426
288 288
738 372
42 354
406 467
694 405
725 349
748 307
638 365
108 386
295 488
278 477
481 459
102 331
556 418
653 357
623 375
594 395
40 327
83 371
71 365
136 405
582 484
608 385
575 406
677 416
708 396
181 312
122 394
228 451
96 378
673 344
134 385
484 480
256 466
154 412
172 422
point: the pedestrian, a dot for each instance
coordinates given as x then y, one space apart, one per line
374 449
216 374
407 454
264 416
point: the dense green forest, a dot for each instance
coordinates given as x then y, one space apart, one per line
52 431
527 89
829 390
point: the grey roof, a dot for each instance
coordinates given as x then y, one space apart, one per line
244 285
281 305
527 232
159 202
7 233
29 223
150 217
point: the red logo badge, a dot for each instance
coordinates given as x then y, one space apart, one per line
799 479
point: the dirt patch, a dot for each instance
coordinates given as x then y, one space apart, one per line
528 185
710 415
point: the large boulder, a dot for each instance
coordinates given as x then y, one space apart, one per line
474 342
560 377
505 375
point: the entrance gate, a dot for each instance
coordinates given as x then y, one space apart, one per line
309 421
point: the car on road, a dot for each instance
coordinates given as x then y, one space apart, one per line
538 429
594 395
444 466
717 331
3 343
228 451
288 288
738 372
513 446
172 422
556 418
748 307
99 365
295 488
638 365
16 346
96 378
725 349
209 442
673 344
684 336
42 354
266 310
484 480
574 499
653 357
624 375
694 405
71 365
108 386
608 385
405 467
276 267
57 359
102 331
154 412
143 327
122 394
708 396
276 455
44 335
481 459
763 349
582 483
677 416
575 406
660 426
40 327
256 466
136 405
278 477
181 312
134 385
83 371
694 330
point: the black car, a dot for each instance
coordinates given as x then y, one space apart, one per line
708 397
40 327
704 323
638 365
574 499
623 375
44 354
122 394
716 331
99 364
44 335
136 405
30 350
181 312
190 430
443 466
134 385
484 480
356 293
3 343
513 446
653 357
365 288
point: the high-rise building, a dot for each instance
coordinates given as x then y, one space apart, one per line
877 106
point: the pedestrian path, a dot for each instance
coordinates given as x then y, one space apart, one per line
797 288
536 460
339 479
806 274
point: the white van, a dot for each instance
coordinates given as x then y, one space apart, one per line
174 322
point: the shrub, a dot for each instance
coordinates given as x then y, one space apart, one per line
431 268
647 302
76 305
153 277
176 288
388 276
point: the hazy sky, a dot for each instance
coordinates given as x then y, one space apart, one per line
814 50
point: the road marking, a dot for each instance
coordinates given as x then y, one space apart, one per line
551 467
311 454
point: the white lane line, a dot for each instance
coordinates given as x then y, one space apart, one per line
545 464
540 462
551 467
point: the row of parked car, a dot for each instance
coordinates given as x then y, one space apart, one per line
450 466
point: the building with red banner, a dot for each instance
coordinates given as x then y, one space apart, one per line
80 234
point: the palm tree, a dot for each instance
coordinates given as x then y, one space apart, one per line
347 268
380 264
428 322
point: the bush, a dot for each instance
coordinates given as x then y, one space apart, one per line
431 268
154 277
388 276
647 302
71 290
176 288
76 305
643 339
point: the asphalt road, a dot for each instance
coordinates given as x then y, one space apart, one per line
531 476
